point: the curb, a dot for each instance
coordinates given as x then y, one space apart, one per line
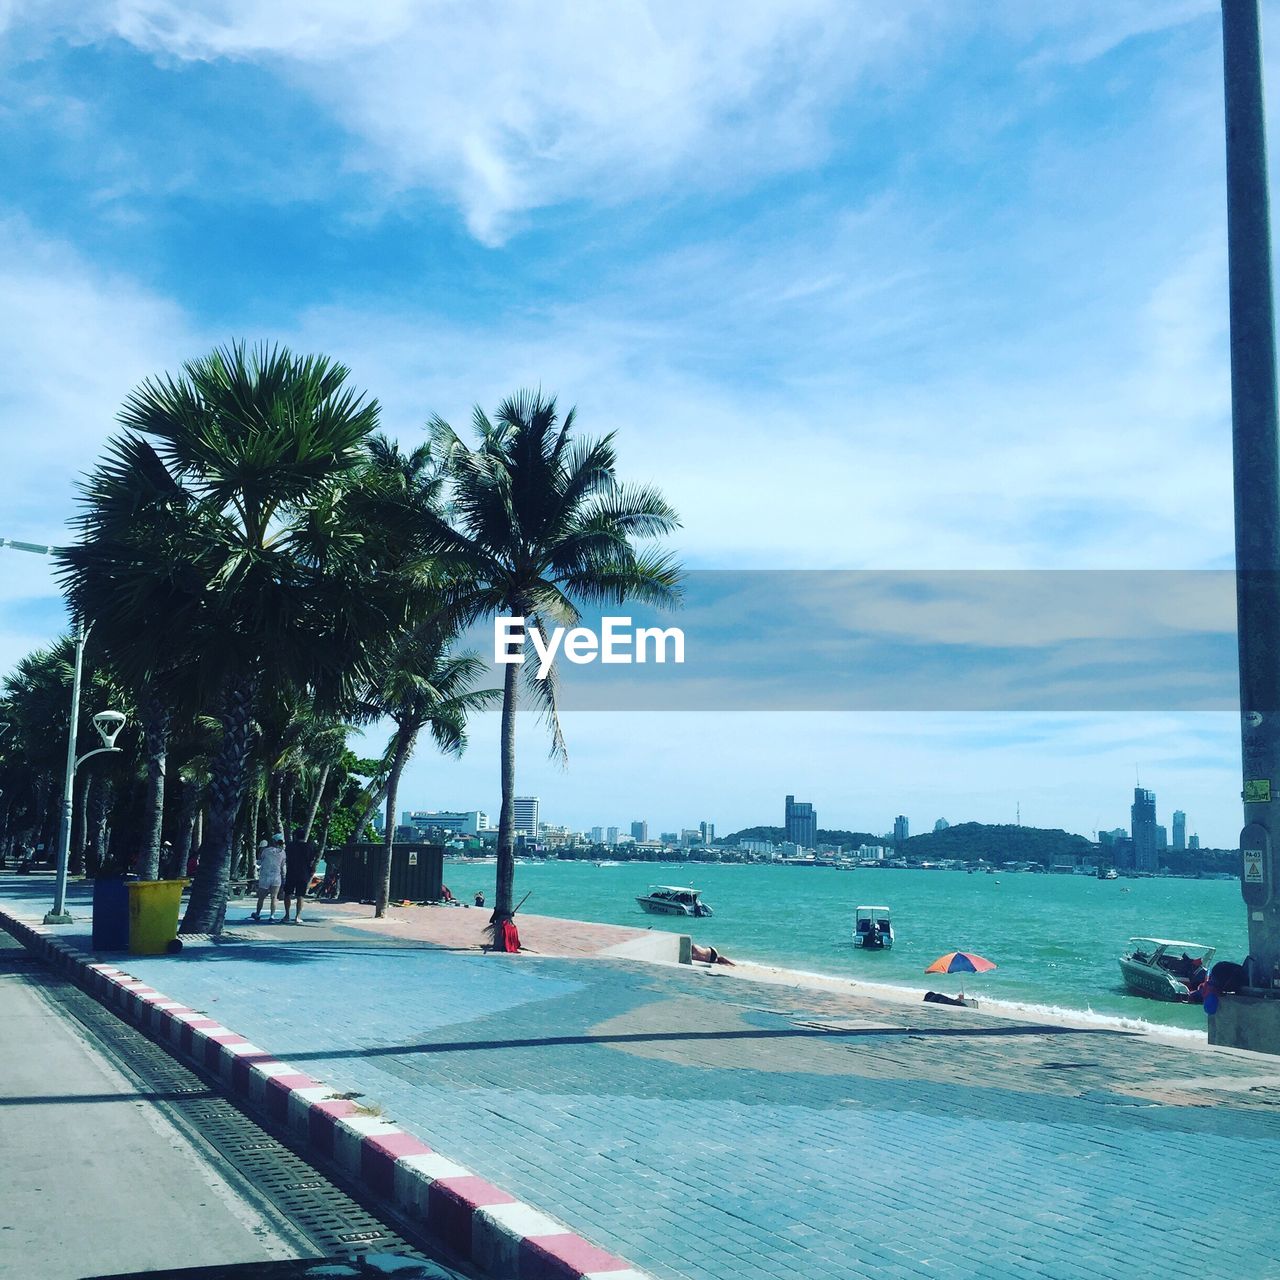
478 1222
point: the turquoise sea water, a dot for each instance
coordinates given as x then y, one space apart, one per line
1055 939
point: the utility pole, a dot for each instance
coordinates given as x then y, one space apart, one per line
1252 1019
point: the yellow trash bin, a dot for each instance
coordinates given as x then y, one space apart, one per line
153 915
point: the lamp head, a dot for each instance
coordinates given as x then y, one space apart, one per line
108 725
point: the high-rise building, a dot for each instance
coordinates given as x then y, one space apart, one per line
1142 816
708 830
612 836
941 825
1194 842
640 831
801 823
467 822
670 837
526 816
1179 829
1122 851
901 830
597 835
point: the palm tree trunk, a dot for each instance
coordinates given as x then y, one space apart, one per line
156 744
404 746
100 811
315 803
326 813
250 867
80 825
190 802
287 803
504 891
273 801
208 904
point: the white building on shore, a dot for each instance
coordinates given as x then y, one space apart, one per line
463 822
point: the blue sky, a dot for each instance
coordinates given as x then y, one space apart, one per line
862 286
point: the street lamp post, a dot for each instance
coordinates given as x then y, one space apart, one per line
108 725
59 914
114 722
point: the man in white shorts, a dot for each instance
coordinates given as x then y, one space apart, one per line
270 874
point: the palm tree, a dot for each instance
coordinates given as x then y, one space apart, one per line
242 560
537 521
421 685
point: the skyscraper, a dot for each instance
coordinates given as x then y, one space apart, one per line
597 835
527 816
611 836
639 831
901 831
801 823
708 830
1143 826
1179 829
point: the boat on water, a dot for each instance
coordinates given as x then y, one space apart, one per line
872 928
673 900
1163 968
1108 873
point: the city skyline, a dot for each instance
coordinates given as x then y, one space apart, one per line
1155 836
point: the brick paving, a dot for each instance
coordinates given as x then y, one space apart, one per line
707 1126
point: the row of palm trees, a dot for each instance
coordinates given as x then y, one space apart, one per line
263 570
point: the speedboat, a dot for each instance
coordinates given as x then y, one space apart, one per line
1163 968
673 900
872 928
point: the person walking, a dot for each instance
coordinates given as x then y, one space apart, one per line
270 875
301 856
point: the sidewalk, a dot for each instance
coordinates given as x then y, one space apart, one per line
93 1178
706 1126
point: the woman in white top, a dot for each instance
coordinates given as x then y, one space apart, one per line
270 874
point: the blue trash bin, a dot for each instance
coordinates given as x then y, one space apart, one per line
111 914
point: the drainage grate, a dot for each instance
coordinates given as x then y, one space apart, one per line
268 1171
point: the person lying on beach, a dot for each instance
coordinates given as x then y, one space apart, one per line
709 955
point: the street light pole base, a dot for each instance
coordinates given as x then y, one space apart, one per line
54 917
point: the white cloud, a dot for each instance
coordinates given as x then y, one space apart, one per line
507 106
1070 771
73 341
1089 454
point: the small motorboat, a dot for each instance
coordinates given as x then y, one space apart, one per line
1163 968
872 928
673 900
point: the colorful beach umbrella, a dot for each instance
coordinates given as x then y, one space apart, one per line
960 962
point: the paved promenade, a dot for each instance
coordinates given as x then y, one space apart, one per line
704 1125
90 1167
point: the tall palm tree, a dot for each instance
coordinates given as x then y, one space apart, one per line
538 521
421 685
243 560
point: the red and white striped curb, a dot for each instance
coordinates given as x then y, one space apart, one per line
469 1216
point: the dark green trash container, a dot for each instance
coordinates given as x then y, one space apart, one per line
417 871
